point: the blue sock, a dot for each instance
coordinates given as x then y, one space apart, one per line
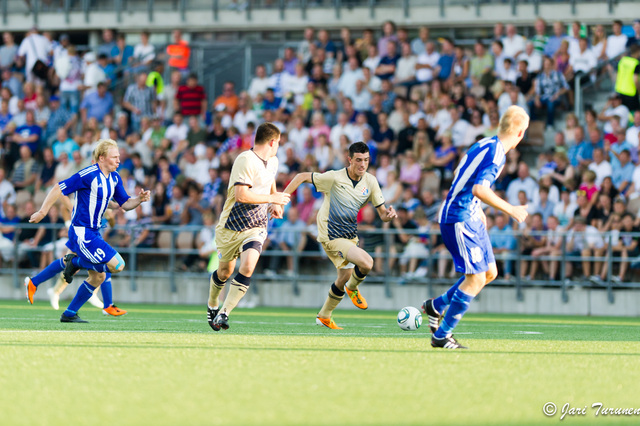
107 292
459 305
85 264
84 293
444 300
49 272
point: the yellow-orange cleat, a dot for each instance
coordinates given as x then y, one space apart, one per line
356 298
31 289
328 322
114 311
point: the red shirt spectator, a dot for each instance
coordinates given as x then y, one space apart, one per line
191 98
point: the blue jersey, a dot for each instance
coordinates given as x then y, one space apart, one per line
93 191
480 166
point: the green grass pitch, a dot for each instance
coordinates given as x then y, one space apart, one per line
162 365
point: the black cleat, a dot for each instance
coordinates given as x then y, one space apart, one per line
69 269
434 316
211 316
75 318
446 342
221 321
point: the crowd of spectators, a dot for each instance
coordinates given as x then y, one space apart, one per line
418 103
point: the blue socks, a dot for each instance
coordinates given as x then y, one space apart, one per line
107 293
84 293
459 305
84 264
49 272
443 301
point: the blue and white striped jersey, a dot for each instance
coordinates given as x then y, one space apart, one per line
481 165
93 191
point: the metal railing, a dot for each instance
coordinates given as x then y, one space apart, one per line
313 266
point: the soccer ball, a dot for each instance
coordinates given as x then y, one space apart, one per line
409 318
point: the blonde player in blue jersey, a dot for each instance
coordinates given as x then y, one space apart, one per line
94 187
463 225
345 192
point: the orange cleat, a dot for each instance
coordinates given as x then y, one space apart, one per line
328 322
31 289
114 311
356 298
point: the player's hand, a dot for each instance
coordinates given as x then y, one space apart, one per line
145 195
280 198
276 211
391 214
37 217
519 213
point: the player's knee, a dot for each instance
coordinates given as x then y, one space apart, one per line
96 278
367 265
119 266
492 274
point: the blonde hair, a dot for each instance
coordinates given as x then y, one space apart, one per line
513 120
104 145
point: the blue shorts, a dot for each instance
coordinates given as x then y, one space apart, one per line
89 245
469 245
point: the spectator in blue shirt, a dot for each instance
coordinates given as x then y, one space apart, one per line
5 116
445 63
271 102
387 65
64 143
59 117
584 151
29 133
121 53
96 104
503 242
623 175
553 43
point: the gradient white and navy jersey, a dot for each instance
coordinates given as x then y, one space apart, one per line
343 199
481 165
258 175
93 191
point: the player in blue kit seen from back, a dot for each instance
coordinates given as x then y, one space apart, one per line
463 225
94 186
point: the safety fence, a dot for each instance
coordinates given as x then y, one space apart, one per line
392 247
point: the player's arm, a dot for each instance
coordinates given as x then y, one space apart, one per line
386 214
243 195
134 202
275 210
298 180
50 200
487 196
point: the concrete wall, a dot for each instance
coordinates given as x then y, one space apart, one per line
270 19
545 301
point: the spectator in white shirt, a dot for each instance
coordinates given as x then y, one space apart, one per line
298 135
7 191
511 96
497 50
177 131
351 74
614 107
406 67
143 53
93 74
513 42
260 83
373 59
583 61
533 58
524 182
616 42
343 127
600 166
245 114
426 62
361 98
296 85
633 132
34 47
